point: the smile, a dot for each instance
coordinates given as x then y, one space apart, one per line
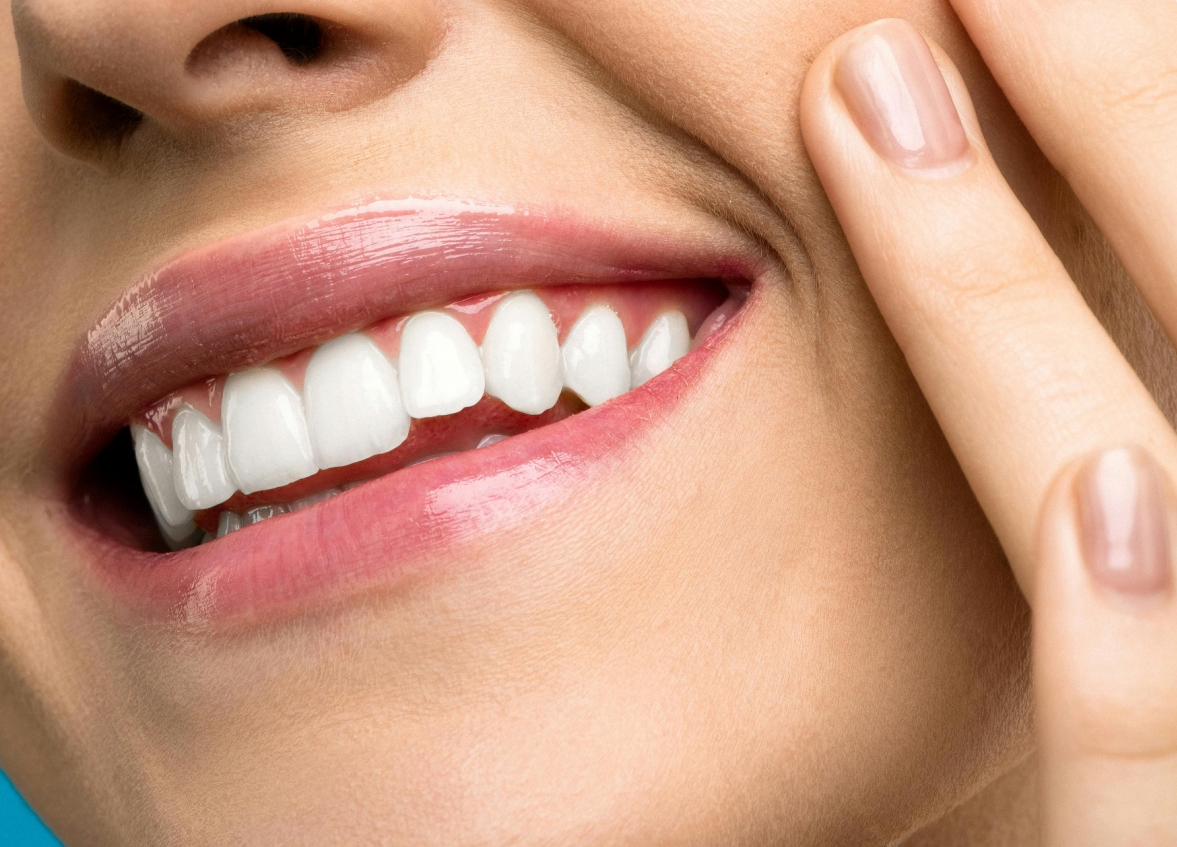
374 386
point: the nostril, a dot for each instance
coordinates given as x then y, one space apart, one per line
301 38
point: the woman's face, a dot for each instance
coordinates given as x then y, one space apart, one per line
752 602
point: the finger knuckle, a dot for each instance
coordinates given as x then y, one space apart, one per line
976 289
1142 94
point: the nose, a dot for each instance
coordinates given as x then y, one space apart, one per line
96 71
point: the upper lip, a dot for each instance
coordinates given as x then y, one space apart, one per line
272 292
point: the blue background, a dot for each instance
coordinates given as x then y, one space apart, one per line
19 826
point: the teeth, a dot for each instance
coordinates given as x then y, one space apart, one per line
262 513
314 499
265 430
155 471
228 522
596 360
440 369
666 341
353 402
200 470
521 355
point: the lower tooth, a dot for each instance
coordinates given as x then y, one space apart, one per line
314 499
263 513
491 439
229 522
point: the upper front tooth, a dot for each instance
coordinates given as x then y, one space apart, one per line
155 471
666 341
200 470
265 431
353 402
440 369
521 355
596 359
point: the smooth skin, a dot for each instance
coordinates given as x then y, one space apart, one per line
790 621
1022 377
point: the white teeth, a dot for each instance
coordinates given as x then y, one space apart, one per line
265 430
155 471
596 360
356 404
666 341
440 369
200 471
353 402
521 355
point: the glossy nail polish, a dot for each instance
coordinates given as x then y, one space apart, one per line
1123 529
897 96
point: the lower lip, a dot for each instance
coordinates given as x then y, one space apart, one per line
393 529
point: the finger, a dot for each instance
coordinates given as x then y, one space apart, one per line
1105 656
1095 81
1019 373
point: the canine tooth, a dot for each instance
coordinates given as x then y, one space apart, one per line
353 402
596 357
314 499
521 355
265 431
262 513
200 470
440 369
666 341
227 523
491 439
155 471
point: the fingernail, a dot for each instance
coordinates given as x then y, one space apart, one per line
898 98
1122 523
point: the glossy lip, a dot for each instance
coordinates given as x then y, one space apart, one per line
273 292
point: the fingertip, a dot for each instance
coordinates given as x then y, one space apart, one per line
1105 617
899 92
1105 644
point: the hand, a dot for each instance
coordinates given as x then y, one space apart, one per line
1066 450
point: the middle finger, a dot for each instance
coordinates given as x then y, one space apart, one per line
1095 81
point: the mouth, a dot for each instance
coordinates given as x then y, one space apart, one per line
335 403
